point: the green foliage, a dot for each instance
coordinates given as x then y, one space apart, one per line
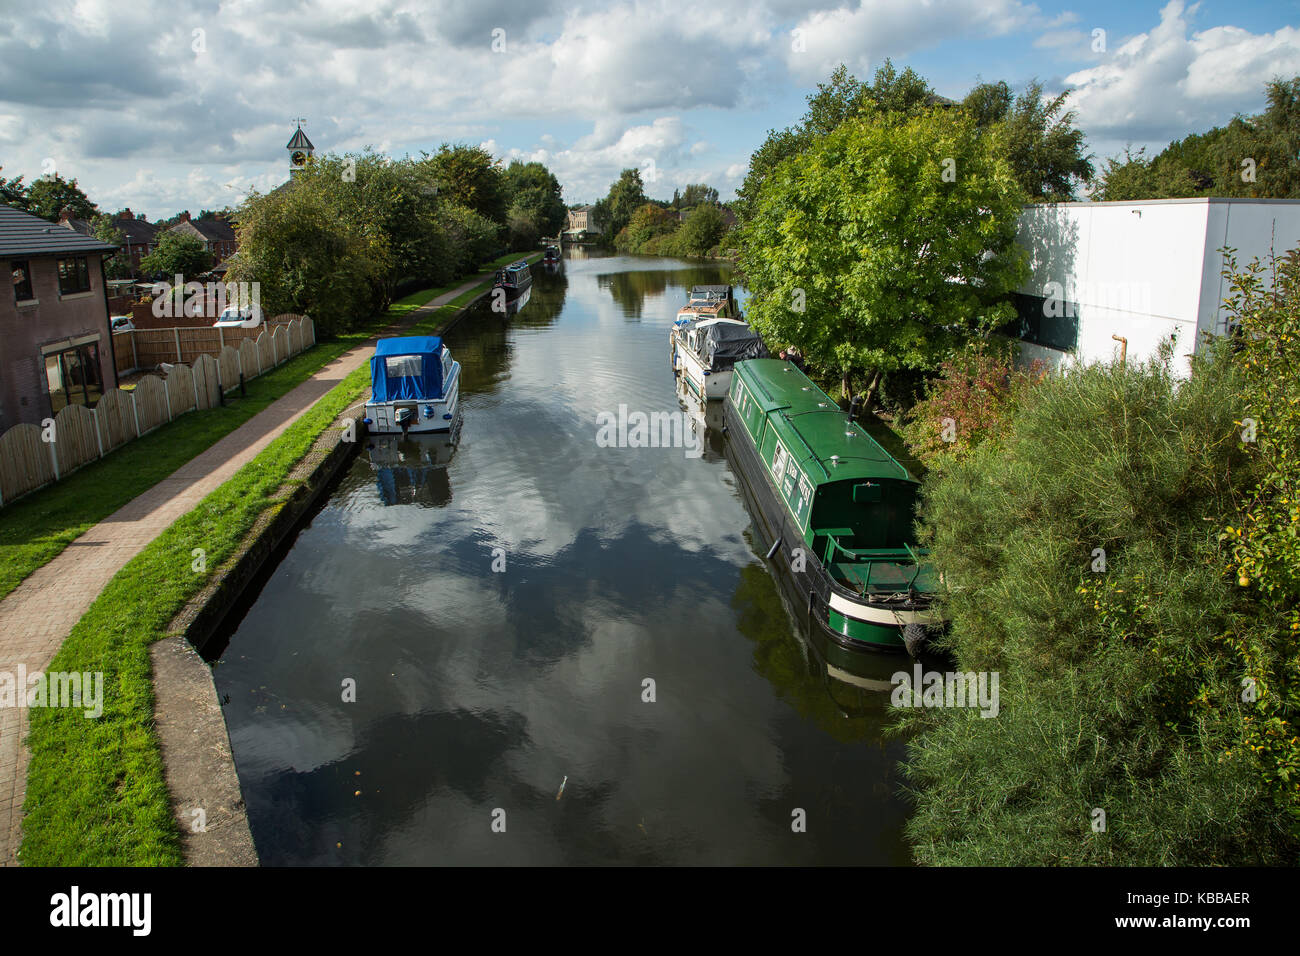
626 196
468 175
702 230
1120 685
1045 149
1263 536
177 254
647 223
970 400
13 192
116 266
1250 157
536 204
48 196
885 242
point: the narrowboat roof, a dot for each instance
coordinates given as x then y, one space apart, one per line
798 409
409 345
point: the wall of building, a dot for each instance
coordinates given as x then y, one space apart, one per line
1146 271
25 329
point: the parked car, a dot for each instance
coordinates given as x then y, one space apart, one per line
122 323
233 317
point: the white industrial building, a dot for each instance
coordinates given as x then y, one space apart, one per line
1143 271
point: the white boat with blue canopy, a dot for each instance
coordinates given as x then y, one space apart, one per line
414 387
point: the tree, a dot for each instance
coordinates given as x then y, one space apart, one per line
695 194
882 245
48 196
703 229
626 195
117 266
647 223
1045 149
535 195
468 175
13 192
177 254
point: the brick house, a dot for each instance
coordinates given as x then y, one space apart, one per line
582 219
138 234
216 235
55 345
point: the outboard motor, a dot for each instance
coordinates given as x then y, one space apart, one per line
403 418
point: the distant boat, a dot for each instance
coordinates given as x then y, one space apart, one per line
414 387
552 258
514 279
708 338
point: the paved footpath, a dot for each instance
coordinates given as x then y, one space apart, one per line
38 615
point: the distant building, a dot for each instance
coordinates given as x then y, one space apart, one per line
55 344
139 237
1147 272
582 219
217 235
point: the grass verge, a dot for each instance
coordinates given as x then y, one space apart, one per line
96 788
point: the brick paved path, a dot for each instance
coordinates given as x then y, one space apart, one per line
38 615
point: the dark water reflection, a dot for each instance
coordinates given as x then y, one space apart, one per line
480 690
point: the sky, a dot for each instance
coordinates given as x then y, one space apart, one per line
164 105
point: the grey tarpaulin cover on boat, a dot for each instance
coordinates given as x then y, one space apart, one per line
726 343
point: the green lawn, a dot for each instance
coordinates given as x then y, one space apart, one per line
96 789
34 529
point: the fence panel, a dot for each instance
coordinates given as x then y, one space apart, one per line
264 353
280 344
249 363
199 341
180 389
155 346
207 381
116 416
124 351
76 439
24 461
150 403
308 332
228 365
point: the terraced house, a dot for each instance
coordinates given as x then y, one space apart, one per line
55 345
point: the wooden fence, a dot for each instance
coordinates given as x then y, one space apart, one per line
32 456
148 348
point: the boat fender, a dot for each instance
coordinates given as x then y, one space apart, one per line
772 550
915 638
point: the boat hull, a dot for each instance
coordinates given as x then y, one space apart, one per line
707 385
431 416
838 612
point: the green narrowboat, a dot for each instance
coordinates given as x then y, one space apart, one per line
835 506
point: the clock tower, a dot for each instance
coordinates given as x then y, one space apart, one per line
300 150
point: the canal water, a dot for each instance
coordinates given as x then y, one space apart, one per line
559 652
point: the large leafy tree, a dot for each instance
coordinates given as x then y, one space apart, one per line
626 196
468 175
536 200
703 229
647 223
177 254
117 266
13 192
881 244
1044 147
48 196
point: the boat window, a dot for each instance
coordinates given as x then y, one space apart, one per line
401 366
778 462
866 493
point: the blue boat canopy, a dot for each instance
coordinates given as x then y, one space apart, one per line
406 368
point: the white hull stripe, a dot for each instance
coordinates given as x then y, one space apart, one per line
879 615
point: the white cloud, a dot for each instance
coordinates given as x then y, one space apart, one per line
1164 84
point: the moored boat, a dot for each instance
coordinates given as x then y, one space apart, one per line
514 279
414 387
833 505
708 337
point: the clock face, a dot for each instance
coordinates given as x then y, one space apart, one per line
298 158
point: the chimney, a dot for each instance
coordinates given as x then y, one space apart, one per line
64 216
126 214
185 216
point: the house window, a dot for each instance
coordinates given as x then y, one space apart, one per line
22 280
74 275
72 377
